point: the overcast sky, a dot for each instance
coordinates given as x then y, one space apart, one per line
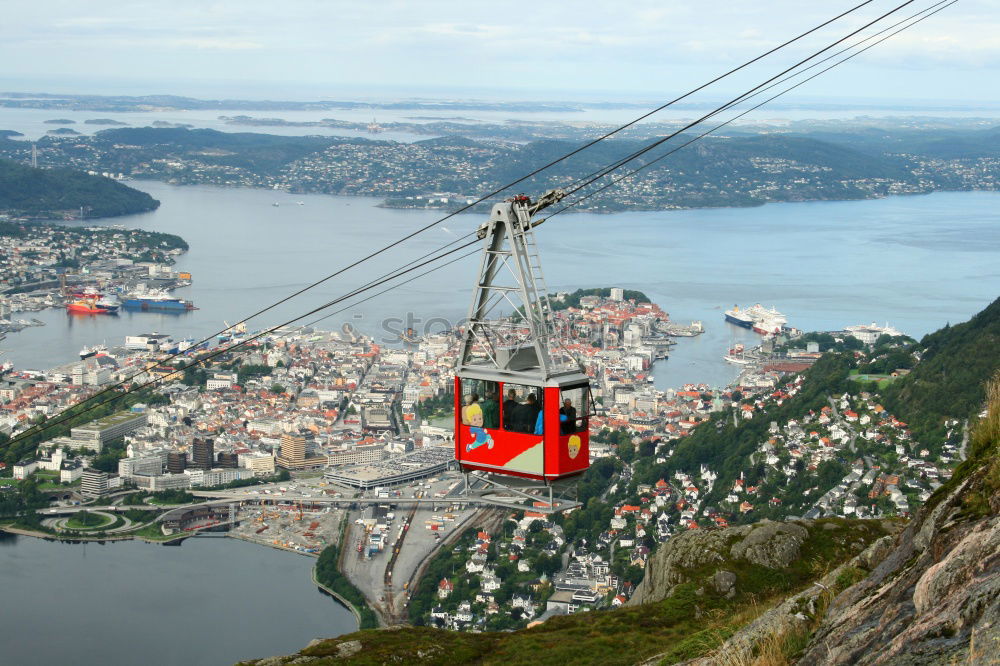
309 49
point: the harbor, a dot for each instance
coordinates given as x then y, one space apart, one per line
232 275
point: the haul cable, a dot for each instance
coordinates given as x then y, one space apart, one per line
61 418
617 180
600 173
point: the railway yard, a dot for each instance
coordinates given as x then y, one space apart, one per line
386 539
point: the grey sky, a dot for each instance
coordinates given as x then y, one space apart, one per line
315 49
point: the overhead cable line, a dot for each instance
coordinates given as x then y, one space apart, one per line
61 418
600 173
548 165
944 5
65 416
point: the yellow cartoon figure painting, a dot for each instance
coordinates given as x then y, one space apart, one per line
573 445
474 417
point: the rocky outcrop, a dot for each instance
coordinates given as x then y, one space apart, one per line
796 614
771 545
718 557
935 598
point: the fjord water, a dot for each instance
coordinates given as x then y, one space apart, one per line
918 262
209 601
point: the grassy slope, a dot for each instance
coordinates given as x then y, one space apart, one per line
692 622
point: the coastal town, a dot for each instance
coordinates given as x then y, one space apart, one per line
330 415
443 172
52 266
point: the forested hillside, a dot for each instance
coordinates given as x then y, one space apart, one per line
49 193
949 381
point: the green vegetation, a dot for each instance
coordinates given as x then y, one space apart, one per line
154 532
950 380
19 502
439 405
259 153
726 447
825 341
691 622
139 515
84 520
329 575
250 371
45 193
983 462
573 300
165 497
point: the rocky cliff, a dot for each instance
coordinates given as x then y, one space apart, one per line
935 597
932 595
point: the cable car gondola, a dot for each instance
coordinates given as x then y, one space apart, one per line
522 401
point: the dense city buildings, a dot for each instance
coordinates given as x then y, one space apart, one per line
203 453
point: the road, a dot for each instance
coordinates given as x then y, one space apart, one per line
843 424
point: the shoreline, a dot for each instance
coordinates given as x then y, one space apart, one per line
343 602
47 536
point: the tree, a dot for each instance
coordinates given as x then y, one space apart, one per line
277 389
626 451
647 448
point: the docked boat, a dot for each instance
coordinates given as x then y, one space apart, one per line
149 341
156 301
90 305
233 332
739 317
771 322
87 352
736 355
109 303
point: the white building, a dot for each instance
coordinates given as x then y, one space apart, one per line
258 464
24 469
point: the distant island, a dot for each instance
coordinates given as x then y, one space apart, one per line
740 168
64 131
125 103
104 121
48 194
60 121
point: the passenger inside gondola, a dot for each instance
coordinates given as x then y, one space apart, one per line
567 417
491 410
510 406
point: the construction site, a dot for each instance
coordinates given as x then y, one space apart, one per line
296 526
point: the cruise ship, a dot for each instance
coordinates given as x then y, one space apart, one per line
770 322
739 317
766 321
